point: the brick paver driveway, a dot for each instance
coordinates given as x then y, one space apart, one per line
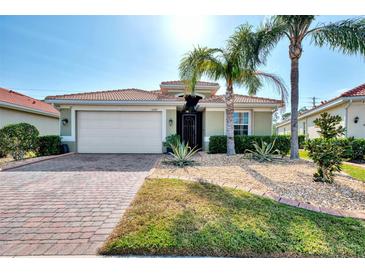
69 205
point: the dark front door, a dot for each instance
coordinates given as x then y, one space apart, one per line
189 129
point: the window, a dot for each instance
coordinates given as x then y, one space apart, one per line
240 122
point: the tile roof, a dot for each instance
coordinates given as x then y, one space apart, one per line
358 91
21 100
117 95
155 95
241 99
199 83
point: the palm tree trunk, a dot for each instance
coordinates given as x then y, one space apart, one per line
294 82
229 120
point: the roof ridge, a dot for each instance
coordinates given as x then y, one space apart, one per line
99 92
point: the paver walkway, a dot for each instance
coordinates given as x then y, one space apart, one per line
68 205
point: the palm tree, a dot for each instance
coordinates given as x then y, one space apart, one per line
347 36
236 65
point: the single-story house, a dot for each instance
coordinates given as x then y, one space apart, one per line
350 105
19 108
138 121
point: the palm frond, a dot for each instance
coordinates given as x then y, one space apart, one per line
277 83
347 36
200 61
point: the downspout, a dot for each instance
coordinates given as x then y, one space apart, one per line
347 116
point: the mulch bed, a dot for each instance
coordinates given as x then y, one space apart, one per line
287 178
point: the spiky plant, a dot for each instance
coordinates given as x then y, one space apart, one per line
236 64
346 36
182 154
264 152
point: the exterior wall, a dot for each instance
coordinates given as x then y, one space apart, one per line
213 124
170 114
311 131
262 123
356 109
65 113
45 124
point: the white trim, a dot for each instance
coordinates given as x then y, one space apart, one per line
27 109
197 94
314 111
68 138
239 105
181 86
163 125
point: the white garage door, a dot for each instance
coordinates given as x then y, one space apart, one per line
119 132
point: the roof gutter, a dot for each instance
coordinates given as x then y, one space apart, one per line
27 109
316 110
223 105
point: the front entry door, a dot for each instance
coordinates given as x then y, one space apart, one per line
189 129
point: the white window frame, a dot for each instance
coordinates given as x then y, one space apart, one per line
249 120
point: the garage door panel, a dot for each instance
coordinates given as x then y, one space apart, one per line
119 132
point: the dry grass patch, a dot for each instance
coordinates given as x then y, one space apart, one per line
182 218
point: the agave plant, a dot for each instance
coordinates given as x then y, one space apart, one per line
182 154
263 153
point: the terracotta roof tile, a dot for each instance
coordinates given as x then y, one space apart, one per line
243 99
18 99
199 83
358 91
117 95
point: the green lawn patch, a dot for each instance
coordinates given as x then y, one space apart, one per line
181 218
353 171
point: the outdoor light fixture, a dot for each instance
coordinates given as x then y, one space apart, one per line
171 122
356 119
64 121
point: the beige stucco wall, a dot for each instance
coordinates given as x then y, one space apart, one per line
213 124
356 109
262 123
356 130
45 124
65 113
170 114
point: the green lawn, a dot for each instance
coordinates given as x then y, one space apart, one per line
354 171
181 218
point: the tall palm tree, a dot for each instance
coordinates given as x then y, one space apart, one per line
236 65
347 36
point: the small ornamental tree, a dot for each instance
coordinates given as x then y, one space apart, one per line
325 151
17 139
329 126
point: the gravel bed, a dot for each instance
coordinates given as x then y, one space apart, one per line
287 178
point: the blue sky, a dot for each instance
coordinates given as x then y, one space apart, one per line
45 55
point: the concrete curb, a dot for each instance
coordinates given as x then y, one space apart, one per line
35 160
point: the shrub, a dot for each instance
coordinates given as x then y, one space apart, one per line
263 153
327 155
17 139
49 145
2 153
358 149
345 144
171 140
301 141
218 144
329 125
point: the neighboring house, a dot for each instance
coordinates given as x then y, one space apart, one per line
138 121
18 108
350 105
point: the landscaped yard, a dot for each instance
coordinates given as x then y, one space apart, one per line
354 171
176 217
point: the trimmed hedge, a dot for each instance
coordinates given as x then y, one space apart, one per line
358 149
49 145
218 144
17 139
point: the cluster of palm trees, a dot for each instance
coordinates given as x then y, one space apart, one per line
248 48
